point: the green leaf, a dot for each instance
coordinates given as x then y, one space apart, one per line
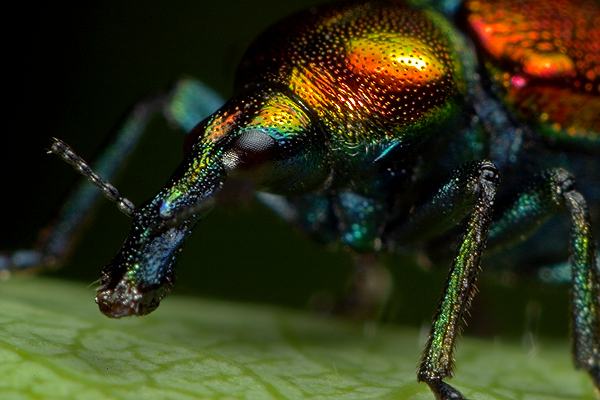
55 344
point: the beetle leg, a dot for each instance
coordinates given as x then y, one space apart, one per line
187 104
447 7
349 216
469 193
553 192
559 273
311 213
370 284
359 223
369 289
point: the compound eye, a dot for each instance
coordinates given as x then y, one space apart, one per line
252 148
255 141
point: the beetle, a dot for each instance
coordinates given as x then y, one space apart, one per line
383 125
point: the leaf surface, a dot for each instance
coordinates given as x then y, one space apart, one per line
54 344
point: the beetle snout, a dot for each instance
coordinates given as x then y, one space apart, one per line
126 300
141 274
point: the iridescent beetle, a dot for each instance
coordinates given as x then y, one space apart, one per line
373 124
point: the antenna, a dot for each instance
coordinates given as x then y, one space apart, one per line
65 152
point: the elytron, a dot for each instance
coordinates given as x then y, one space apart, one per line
384 125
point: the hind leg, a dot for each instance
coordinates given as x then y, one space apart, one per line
552 193
186 104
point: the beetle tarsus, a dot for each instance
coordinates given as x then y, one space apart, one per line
595 374
444 391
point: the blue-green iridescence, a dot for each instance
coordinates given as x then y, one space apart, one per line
360 236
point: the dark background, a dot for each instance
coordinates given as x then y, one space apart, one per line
74 72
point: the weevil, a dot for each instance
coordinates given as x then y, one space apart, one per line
384 125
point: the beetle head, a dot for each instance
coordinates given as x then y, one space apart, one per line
262 136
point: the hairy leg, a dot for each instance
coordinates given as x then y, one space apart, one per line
552 193
468 195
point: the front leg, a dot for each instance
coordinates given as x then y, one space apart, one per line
470 192
186 104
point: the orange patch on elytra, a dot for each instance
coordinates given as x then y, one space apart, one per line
546 55
548 65
575 114
543 39
394 59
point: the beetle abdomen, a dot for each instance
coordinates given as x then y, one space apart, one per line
371 72
546 58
